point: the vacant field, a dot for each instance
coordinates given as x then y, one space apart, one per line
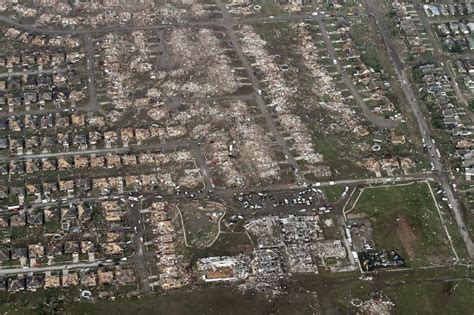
412 292
334 193
405 219
201 221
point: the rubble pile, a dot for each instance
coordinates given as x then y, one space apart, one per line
248 8
181 10
377 306
140 52
108 12
124 57
323 83
170 262
279 93
239 152
236 146
4 4
224 268
329 249
202 64
23 11
295 234
269 270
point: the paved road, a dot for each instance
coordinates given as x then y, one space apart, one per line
226 192
47 111
228 24
124 28
201 162
138 259
378 121
33 72
59 31
91 86
275 19
443 177
9 271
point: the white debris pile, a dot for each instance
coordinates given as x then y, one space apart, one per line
203 67
115 77
64 41
280 93
77 96
123 58
170 261
114 12
377 305
140 52
225 167
181 10
238 147
59 7
191 180
4 5
12 33
323 83
158 111
329 249
23 11
253 150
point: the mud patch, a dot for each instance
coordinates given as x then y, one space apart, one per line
406 234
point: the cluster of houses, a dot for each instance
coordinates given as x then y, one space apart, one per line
465 68
456 35
373 81
38 140
38 91
40 60
117 242
435 85
449 116
410 27
436 10
118 276
170 260
67 186
72 233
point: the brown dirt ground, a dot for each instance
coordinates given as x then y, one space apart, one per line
406 234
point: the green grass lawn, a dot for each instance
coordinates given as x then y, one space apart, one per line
334 193
386 206
432 298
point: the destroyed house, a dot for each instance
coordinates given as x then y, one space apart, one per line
35 217
54 249
16 284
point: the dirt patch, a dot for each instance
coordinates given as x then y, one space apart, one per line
406 234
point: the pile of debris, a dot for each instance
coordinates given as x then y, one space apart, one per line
203 68
170 261
280 94
323 83
377 305
124 58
